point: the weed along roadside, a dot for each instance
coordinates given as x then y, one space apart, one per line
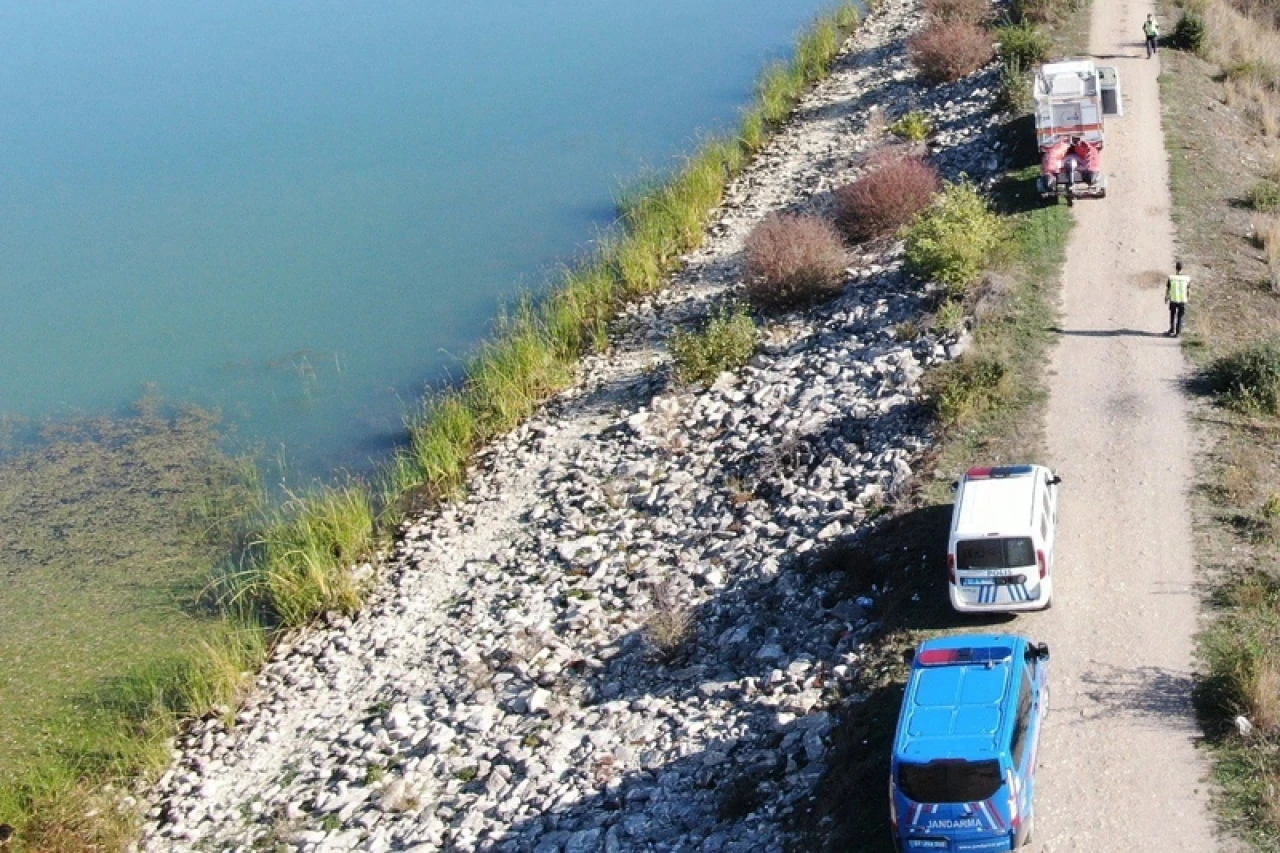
1220 115
631 628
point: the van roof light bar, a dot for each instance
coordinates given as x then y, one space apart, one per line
982 655
989 473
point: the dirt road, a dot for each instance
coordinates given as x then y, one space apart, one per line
1120 770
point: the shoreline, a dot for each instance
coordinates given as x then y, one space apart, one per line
586 519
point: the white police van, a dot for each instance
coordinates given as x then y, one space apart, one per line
1003 530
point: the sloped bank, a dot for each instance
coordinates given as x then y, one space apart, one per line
501 691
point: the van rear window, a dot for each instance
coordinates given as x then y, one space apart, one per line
994 553
950 781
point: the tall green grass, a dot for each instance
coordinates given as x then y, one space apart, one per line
298 563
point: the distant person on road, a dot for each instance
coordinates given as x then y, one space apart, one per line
1175 296
1151 30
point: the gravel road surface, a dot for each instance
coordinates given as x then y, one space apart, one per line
1121 770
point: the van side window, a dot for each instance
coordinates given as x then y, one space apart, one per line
1018 745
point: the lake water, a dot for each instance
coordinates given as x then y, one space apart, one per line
303 213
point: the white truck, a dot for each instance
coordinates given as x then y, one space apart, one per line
1071 99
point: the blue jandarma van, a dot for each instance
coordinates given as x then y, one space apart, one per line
964 758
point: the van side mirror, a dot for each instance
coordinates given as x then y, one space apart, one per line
1041 652
955 484
909 656
1055 480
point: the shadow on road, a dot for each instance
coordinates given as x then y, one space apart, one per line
1106 333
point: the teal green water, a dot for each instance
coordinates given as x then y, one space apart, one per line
303 214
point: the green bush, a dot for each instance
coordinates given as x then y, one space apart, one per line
1249 378
1265 196
725 343
1189 33
915 126
950 316
952 241
966 387
1014 95
1023 45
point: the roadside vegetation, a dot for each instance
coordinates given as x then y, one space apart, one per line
1222 130
997 262
302 562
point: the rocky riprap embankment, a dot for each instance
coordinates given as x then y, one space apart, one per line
516 681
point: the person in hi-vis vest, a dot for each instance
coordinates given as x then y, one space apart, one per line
1175 296
1151 31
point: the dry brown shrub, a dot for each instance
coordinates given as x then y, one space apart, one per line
793 260
669 627
947 51
1241 478
1040 11
884 199
968 11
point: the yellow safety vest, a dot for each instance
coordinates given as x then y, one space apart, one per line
1150 28
1178 285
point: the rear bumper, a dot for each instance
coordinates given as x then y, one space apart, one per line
1049 187
994 845
1045 590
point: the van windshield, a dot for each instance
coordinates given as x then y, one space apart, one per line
950 781
993 553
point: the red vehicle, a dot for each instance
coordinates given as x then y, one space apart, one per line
1071 99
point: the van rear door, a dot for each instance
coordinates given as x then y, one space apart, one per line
996 569
955 805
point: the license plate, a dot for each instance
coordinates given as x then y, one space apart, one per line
975 582
929 844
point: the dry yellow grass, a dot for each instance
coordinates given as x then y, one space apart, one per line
1264 699
1247 49
1266 236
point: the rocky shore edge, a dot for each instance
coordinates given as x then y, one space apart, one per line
618 640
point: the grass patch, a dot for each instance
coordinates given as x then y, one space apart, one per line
725 343
915 126
1264 196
